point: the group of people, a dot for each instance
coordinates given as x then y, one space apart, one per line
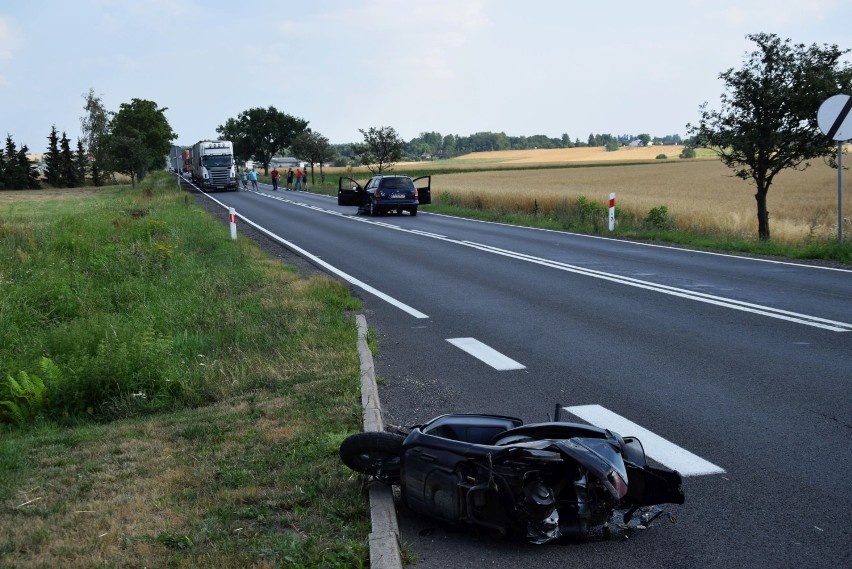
247 176
300 176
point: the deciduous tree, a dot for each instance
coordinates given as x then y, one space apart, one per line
381 149
316 148
767 120
140 138
95 128
261 133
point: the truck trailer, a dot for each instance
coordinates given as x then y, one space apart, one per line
213 165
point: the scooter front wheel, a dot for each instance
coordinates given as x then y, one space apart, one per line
377 454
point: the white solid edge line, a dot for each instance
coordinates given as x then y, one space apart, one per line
658 448
332 269
486 354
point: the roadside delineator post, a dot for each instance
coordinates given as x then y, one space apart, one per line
232 218
612 211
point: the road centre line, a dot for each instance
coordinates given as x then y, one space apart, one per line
795 317
656 447
486 354
655 245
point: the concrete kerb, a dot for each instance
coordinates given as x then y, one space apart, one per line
384 539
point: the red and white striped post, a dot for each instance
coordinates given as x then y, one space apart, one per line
232 217
612 211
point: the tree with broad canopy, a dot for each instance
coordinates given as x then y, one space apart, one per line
767 121
261 133
381 149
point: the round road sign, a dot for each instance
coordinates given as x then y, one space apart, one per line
834 117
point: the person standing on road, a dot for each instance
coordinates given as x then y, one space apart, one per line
290 179
298 179
275 176
244 179
305 180
253 178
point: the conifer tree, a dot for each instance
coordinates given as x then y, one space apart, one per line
3 184
26 167
67 169
51 159
13 178
81 163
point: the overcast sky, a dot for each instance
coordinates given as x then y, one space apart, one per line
453 66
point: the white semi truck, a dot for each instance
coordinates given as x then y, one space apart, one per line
213 165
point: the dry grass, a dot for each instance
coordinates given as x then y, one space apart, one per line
126 494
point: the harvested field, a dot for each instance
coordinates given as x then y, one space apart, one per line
560 155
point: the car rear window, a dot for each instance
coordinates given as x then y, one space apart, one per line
397 184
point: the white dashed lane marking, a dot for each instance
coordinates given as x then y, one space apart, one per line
485 354
656 447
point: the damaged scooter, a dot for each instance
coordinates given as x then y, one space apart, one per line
543 482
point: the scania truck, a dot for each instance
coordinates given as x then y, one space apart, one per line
213 165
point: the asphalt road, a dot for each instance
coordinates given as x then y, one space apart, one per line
744 364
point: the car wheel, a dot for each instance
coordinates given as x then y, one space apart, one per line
371 208
413 211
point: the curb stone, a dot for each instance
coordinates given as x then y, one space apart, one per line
384 539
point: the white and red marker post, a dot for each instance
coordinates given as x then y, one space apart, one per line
232 218
612 211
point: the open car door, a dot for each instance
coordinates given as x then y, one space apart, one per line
424 189
349 192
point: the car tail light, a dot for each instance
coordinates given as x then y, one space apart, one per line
416 195
378 194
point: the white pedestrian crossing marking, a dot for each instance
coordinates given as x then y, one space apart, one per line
486 354
656 447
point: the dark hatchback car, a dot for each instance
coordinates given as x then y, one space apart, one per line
384 194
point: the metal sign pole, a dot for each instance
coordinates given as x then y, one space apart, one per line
834 119
840 191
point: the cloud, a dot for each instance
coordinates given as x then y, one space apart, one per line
8 37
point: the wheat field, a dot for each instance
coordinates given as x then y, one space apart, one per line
701 195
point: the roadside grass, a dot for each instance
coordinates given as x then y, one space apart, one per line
695 203
193 399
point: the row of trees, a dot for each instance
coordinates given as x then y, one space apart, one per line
132 141
16 170
64 168
260 134
434 145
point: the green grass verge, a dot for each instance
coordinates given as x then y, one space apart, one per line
172 397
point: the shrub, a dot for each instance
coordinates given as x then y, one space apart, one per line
658 218
661 156
688 152
591 212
